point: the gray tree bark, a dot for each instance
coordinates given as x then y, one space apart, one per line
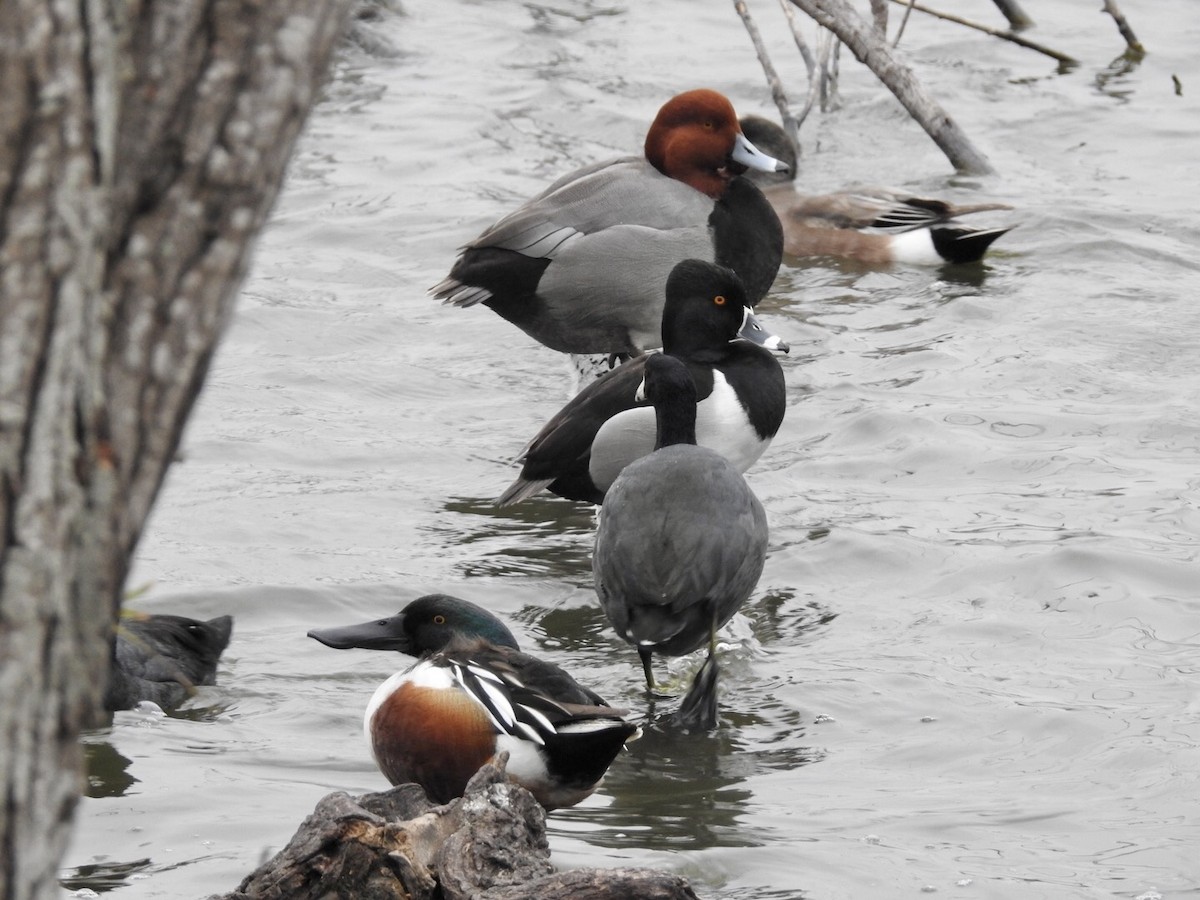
141 147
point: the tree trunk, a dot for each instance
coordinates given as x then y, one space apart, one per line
141 147
872 50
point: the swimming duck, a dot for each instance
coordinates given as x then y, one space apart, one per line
873 225
164 658
706 323
582 266
474 693
681 542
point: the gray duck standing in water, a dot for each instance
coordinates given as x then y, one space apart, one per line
681 543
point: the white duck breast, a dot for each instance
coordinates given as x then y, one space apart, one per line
723 425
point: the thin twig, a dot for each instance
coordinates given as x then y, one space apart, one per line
908 8
806 54
995 32
777 92
810 64
827 69
1131 41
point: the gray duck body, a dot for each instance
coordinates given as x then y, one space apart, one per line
681 545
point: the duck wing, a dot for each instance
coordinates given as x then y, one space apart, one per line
620 192
540 676
563 446
879 208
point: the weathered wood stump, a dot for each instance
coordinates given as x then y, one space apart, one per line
490 844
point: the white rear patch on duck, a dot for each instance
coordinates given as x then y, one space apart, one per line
915 247
526 764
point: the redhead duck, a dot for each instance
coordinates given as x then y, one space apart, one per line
473 694
872 225
582 266
706 323
681 543
163 658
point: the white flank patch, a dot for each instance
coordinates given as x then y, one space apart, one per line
916 247
625 437
525 762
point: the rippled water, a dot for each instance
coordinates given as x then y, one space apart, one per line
971 664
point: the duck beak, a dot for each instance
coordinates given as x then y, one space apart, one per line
378 634
751 157
753 330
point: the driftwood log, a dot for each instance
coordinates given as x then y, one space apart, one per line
490 844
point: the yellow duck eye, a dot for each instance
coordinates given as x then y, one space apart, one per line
719 300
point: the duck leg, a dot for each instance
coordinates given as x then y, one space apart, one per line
644 653
698 711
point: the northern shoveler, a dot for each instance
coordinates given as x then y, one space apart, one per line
163 658
739 383
474 693
681 543
872 225
582 266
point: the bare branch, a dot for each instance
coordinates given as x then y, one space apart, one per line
869 49
994 32
810 63
1131 41
777 93
879 15
806 54
829 71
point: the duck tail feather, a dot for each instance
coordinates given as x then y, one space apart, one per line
965 245
522 490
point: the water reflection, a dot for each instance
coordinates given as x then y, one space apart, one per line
674 790
102 877
572 629
544 536
107 770
1114 81
777 619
